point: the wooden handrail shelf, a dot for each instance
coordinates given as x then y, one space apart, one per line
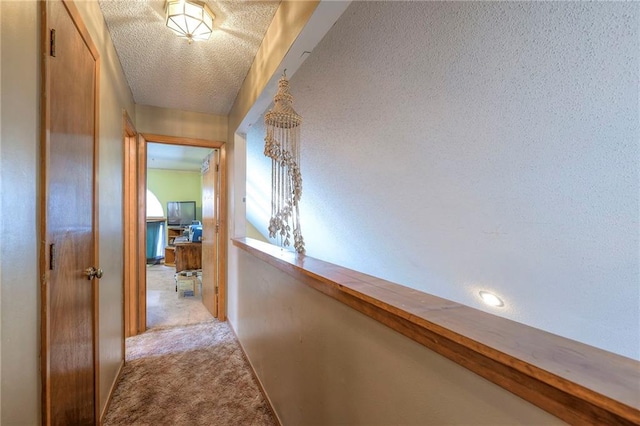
578 383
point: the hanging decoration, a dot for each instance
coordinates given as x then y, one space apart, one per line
282 145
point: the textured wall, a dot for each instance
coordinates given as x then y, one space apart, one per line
20 309
460 146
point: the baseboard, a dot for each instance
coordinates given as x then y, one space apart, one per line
111 390
255 376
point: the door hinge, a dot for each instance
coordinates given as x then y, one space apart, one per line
217 167
216 290
52 256
52 43
217 228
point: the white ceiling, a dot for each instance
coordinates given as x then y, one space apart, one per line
166 71
175 157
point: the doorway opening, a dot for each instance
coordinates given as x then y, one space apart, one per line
201 241
174 269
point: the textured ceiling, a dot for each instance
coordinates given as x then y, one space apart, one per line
166 71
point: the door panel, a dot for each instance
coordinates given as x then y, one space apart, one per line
70 319
209 235
141 296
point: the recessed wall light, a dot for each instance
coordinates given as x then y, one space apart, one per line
491 299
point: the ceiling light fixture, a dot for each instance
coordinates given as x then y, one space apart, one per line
491 299
190 19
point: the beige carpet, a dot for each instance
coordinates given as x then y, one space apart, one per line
164 307
187 369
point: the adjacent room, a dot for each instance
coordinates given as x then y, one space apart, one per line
174 235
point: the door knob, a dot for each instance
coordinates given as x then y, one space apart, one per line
92 273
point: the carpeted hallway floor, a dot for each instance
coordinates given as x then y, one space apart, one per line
187 374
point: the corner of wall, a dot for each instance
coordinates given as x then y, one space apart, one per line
236 163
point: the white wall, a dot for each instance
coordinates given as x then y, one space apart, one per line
252 232
19 219
459 146
236 213
323 363
173 122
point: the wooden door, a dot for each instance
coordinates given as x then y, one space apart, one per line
141 251
69 222
210 226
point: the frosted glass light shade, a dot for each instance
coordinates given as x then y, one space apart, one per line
190 19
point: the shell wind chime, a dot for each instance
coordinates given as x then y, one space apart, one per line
282 145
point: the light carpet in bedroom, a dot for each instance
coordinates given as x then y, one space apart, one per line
164 307
187 375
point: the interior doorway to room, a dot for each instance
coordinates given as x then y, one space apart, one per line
184 174
176 207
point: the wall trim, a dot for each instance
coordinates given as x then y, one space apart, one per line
578 383
112 389
255 375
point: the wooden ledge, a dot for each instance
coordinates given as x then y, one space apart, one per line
578 383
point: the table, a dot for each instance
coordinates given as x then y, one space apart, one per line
188 256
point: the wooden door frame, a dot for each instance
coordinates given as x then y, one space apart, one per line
130 227
45 144
140 305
